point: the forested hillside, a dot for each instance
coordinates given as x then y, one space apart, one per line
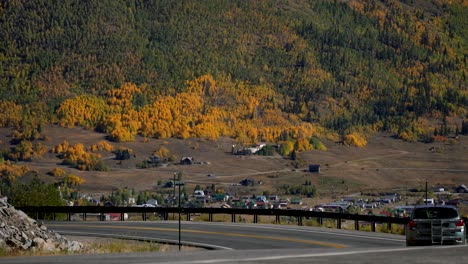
251 70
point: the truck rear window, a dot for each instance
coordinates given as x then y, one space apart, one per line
435 213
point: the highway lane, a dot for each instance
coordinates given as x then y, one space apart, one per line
250 243
236 236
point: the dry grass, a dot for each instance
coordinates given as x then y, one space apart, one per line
96 245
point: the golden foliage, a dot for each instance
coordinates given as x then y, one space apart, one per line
77 156
12 171
60 148
355 139
73 180
408 136
286 148
208 109
100 146
84 110
120 99
162 152
11 114
302 144
57 172
23 151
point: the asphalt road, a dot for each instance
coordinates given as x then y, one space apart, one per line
251 243
235 236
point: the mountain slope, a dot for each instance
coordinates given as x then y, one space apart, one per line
347 66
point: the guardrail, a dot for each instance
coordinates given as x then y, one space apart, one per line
40 211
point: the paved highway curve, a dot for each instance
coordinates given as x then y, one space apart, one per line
251 243
235 236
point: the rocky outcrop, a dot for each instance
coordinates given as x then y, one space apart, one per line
18 231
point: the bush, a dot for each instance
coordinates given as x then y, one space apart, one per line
123 154
355 140
57 172
267 150
35 193
317 144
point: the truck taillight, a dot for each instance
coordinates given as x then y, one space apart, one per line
460 223
412 225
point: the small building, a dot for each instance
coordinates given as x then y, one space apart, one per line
462 189
314 168
186 161
152 202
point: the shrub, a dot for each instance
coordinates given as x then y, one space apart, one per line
57 172
355 140
73 180
103 145
123 154
317 144
286 148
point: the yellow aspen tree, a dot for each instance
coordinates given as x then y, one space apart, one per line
11 114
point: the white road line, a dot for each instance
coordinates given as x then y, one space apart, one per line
279 257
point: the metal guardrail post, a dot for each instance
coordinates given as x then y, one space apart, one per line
338 223
356 224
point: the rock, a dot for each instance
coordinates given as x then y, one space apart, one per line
26 244
49 245
38 242
18 231
74 246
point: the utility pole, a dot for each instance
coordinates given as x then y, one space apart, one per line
426 192
173 183
174 197
179 218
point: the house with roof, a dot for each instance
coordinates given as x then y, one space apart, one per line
314 168
462 189
186 161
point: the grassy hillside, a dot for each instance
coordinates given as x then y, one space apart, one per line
348 67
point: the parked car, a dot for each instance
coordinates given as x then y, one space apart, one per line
431 224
